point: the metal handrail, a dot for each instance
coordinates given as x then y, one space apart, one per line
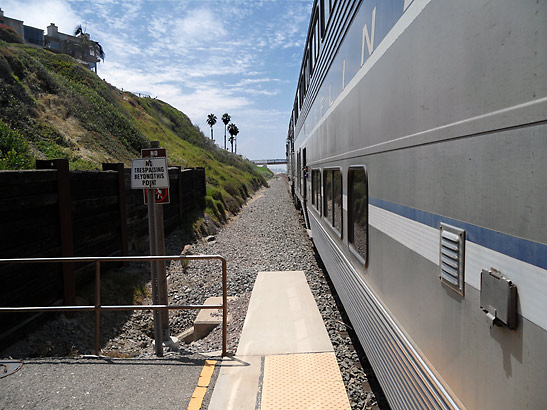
98 307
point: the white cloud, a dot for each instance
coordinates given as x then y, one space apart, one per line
120 47
248 81
40 13
115 14
198 26
157 27
196 103
290 34
202 102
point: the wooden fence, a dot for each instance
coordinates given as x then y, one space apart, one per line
52 212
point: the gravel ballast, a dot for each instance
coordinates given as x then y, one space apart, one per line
267 235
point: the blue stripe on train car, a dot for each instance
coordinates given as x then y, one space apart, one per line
531 252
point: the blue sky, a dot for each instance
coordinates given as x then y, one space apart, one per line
201 56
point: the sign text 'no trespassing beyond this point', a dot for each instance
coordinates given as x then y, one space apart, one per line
149 173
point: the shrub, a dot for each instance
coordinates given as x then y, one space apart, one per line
14 151
9 35
214 193
232 204
220 209
232 189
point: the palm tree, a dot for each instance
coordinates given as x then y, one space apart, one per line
211 120
89 50
225 119
233 130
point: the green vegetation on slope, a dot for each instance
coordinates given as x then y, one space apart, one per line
53 107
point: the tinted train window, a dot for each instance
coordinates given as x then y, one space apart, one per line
327 189
337 195
332 207
313 43
316 188
326 14
358 211
317 37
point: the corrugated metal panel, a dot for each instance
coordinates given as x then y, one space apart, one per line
406 378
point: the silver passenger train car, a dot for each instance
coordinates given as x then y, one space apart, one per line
417 148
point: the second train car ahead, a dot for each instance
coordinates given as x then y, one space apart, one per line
417 148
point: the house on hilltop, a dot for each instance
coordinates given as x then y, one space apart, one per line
80 46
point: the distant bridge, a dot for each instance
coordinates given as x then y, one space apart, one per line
269 161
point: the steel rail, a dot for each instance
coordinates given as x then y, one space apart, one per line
98 307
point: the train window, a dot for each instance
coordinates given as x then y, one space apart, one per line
316 189
314 40
312 56
326 15
337 197
327 189
311 48
358 211
332 206
314 52
317 37
307 72
302 92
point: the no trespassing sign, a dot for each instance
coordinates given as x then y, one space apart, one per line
149 173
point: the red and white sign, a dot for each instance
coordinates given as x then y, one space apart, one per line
161 195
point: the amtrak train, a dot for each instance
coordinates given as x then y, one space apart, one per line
417 148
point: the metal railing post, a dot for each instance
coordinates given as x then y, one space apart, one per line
224 306
97 305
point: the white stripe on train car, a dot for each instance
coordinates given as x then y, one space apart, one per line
531 281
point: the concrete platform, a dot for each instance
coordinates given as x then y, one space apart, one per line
285 358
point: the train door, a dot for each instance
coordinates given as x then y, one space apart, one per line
292 172
304 176
304 191
299 172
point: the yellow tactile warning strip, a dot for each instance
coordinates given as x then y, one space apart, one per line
203 383
303 381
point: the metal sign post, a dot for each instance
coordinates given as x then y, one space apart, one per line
162 274
152 174
160 196
155 282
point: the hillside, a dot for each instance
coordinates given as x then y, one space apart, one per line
52 107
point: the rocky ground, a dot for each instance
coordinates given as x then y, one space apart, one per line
267 235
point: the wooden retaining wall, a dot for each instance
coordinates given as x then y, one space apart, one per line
52 212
